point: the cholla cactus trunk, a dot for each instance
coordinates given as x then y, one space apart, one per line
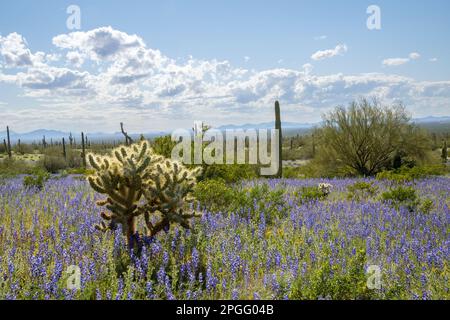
138 182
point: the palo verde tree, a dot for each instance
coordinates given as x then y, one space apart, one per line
366 137
138 182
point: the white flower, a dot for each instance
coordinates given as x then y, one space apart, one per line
325 188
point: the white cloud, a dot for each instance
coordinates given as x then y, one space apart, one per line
112 76
247 58
340 49
433 60
323 37
393 62
15 52
99 44
75 58
414 55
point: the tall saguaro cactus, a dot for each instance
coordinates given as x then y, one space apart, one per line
128 139
9 142
280 139
5 145
444 154
64 148
138 182
83 150
70 140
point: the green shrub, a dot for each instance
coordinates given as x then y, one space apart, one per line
13 167
54 163
406 173
215 195
308 194
331 281
426 206
401 197
261 199
292 173
229 172
163 146
361 190
36 180
80 171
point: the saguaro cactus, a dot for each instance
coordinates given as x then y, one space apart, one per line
313 144
5 145
280 139
444 154
139 182
9 142
83 150
70 139
64 148
128 139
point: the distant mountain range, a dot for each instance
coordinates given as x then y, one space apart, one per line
55 135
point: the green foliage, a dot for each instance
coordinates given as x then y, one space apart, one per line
163 146
53 164
229 173
365 137
331 281
36 180
215 195
80 171
261 198
308 194
404 174
426 206
401 197
292 173
361 190
13 167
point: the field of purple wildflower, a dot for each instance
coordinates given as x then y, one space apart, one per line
318 249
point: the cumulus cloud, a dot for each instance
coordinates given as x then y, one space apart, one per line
340 49
393 62
15 53
414 55
99 44
125 77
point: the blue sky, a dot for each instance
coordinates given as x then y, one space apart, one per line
217 61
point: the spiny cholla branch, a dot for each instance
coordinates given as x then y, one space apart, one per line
139 182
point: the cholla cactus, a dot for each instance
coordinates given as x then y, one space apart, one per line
139 182
325 188
168 191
